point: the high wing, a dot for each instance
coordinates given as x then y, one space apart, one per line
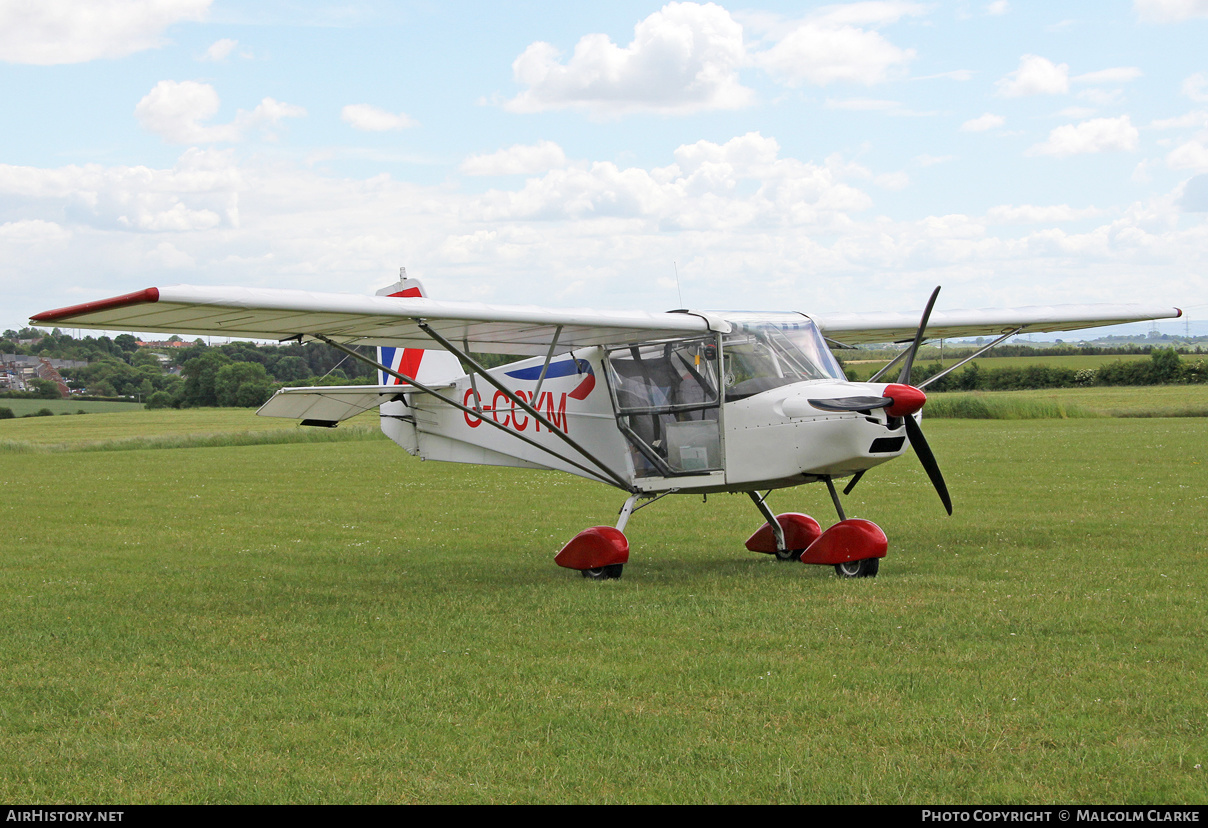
370 320
857 328
516 329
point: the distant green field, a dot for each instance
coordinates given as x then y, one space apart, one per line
22 407
1140 401
339 622
170 428
864 370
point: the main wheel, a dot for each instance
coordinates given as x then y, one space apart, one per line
604 573
789 554
866 568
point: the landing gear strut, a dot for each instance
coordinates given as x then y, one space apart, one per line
601 552
853 546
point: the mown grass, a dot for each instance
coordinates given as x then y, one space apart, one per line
170 428
342 623
21 407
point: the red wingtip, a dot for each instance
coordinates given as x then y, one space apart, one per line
139 297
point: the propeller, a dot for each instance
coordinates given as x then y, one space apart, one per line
914 432
902 400
904 377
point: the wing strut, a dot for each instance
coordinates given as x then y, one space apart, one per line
548 358
948 371
619 482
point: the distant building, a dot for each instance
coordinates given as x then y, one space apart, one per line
16 371
171 343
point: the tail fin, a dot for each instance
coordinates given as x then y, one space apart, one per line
431 367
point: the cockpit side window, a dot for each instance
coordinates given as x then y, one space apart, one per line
667 399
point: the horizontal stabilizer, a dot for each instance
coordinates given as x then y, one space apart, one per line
327 405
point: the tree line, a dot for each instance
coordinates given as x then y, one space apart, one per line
1165 366
246 374
187 376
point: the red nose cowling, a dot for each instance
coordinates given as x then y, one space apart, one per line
906 399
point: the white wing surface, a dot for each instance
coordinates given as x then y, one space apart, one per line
368 320
856 328
516 329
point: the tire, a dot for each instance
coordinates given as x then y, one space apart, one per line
603 573
866 568
789 554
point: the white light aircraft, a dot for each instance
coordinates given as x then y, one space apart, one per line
683 402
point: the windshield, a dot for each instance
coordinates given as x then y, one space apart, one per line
762 355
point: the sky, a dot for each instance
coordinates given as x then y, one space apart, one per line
819 157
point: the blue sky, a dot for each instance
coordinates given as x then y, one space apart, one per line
806 156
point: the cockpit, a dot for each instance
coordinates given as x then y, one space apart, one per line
668 395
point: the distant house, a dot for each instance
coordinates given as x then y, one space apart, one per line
16 371
169 343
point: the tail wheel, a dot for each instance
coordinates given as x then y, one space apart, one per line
604 573
866 568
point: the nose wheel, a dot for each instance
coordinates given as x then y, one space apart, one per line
866 568
603 573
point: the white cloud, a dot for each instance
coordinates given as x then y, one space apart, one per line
683 58
220 50
746 221
1095 135
1117 74
1035 76
1192 120
33 231
983 123
372 119
48 32
1195 195
1192 155
998 7
520 159
831 47
739 184
1102 97
1170 11
175 110
893 181
200 193
1037 214
871 12
1196 87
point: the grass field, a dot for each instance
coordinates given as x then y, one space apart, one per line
168 428
1148 401
21 407
338 622
865 369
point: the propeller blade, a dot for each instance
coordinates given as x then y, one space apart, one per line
904 377
847 489
852 403
919 443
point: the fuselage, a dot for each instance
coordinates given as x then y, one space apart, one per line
712 413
